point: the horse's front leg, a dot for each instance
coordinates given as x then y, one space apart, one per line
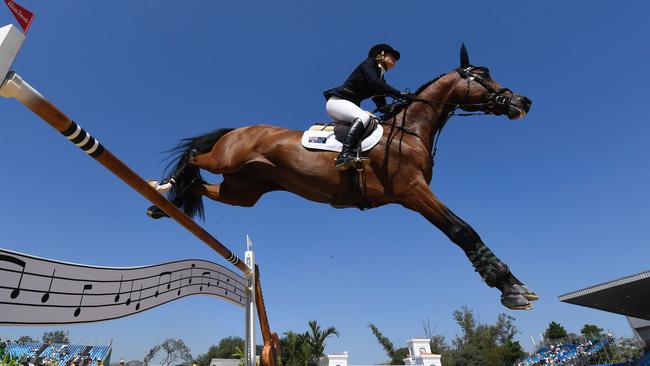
515 295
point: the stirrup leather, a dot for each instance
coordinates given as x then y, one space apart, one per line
488 266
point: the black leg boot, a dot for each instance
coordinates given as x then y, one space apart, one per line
346 158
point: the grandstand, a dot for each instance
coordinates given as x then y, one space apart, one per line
58 354
629 296
576 351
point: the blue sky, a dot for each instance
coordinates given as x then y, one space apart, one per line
561 195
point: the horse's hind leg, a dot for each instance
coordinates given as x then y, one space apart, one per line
241 189
493 271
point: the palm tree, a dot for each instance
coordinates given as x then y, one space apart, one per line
316 337
295 349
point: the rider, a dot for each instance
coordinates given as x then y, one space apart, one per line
367 80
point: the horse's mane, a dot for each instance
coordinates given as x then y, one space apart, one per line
400 106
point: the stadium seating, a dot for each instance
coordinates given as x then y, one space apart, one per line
63 354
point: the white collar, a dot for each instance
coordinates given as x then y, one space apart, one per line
381 69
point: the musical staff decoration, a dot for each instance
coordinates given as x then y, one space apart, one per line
38 291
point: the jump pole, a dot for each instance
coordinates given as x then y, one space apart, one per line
13 86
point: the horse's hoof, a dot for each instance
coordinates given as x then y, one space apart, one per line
515 301
525 292
155 213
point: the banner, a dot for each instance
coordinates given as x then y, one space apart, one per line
37 291
23 16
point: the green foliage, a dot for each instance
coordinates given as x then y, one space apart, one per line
478 343
396 356
172 352
316 337
554 331
591 331
295 348
7 360
240 355
300 349
57 336
227 348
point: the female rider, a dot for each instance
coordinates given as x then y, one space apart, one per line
367 80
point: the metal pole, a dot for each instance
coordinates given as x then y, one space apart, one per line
250 304
15 87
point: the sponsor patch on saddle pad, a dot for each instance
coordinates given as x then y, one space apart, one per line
325 140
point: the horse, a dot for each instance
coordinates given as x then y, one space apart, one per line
257 159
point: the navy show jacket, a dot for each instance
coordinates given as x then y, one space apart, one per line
364 82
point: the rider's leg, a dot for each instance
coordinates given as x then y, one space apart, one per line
346 111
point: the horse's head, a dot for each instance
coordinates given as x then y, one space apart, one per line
476 91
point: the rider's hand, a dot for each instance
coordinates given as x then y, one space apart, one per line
387 109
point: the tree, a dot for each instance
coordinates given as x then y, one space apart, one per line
316 338
150 355
591 331
25 339
240 355
396 356
227 348
554 331
173 351
477 343
57 336
295 349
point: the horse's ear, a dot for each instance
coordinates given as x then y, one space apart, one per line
464 57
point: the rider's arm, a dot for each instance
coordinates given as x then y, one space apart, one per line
369 70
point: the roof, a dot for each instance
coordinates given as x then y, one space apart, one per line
627 296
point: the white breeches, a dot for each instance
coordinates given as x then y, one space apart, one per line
345 111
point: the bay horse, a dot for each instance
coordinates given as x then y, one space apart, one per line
258 159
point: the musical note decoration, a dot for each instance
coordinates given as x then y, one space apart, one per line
46 296
19 262
87 286
75 293
119 290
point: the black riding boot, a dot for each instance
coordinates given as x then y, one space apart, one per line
347 158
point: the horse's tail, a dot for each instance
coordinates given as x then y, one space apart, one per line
185 175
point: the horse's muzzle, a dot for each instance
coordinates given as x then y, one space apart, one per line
518 107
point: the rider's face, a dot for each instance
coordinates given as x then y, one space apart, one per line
389 61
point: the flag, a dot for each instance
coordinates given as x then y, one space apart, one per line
23 16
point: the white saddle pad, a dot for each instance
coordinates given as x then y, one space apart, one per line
325 140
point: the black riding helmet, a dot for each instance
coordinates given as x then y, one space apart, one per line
383 47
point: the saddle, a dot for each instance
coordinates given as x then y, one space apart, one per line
328 136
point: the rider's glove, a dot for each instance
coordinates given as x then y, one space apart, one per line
387 109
